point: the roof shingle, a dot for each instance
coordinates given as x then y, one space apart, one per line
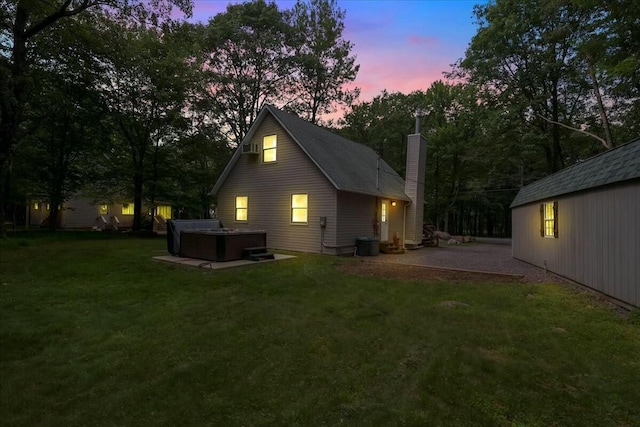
621 163
348 165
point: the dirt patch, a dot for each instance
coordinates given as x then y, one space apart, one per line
412 272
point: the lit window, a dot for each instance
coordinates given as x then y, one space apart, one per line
36 206
299 208
164 211
548 214
269 144
127 209
383 213
104 209
242 208
48 206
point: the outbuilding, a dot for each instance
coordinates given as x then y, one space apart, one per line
583 223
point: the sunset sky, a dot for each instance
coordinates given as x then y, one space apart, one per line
400 45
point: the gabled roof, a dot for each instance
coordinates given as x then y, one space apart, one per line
349 166
618 164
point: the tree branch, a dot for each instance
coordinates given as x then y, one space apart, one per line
602 141
60 13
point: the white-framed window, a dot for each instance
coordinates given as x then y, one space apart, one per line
549 220
269 147
242 208
383 212
104 209
299 208
127 209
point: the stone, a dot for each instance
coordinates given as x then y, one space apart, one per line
443 235
453 304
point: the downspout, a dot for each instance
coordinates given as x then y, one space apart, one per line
404 226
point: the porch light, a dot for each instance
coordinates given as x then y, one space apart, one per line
393 203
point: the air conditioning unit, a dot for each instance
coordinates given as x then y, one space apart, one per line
250 149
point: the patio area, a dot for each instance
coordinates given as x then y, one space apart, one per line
488 256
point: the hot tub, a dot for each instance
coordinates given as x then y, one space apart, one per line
220 245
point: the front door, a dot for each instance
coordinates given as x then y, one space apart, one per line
384 221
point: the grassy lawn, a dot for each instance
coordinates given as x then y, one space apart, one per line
94 332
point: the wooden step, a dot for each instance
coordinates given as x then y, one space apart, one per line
253 250
256 253
390 248
260 256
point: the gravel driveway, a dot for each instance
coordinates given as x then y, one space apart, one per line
486 257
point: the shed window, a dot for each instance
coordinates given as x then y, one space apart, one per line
269 145
549 220
242 208
299 208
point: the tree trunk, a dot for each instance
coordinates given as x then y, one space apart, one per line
556 149
5 192
12 100
601 110
137 199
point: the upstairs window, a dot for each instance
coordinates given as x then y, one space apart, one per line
299 208
242 208
549 220
269 146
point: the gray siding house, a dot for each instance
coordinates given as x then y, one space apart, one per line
583 223
82 213
315 191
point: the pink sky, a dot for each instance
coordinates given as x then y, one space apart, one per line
401 46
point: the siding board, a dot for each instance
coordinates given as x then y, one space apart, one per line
598 243
269 187
356 213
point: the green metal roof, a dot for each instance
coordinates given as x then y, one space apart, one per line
618 164
349 166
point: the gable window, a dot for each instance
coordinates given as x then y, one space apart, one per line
242 208
127 209
104 209
549 220
269 145
299 208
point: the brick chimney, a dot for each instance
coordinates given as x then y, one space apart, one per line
414 185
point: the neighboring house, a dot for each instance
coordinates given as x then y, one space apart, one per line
315 191
583 223
81 213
